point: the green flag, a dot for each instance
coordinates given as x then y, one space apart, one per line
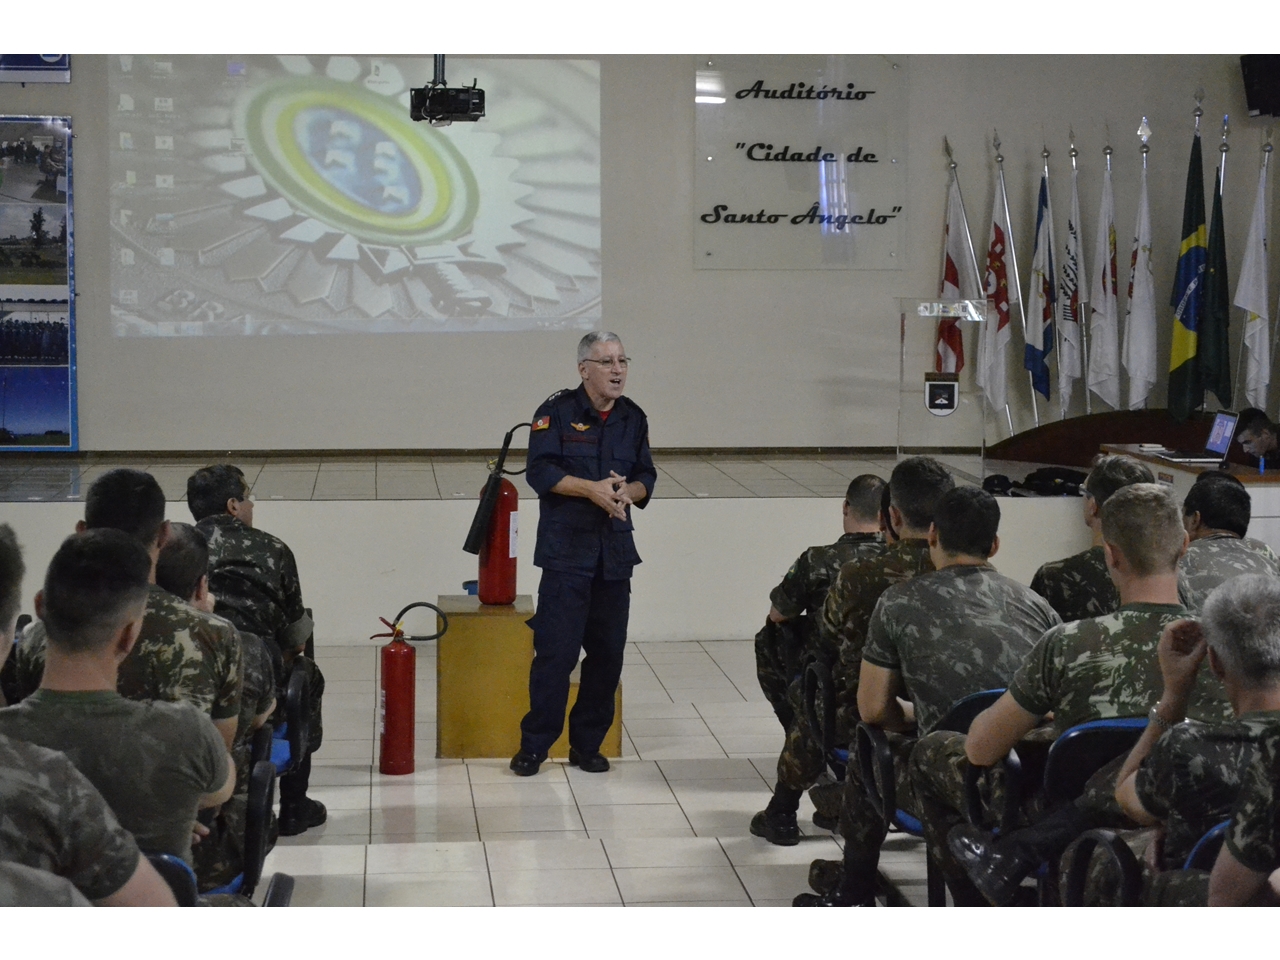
1185 390
1215 353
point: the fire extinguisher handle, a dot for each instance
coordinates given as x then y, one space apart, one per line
444 620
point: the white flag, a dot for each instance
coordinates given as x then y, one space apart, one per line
1251 296
1074 293
959 281
1042 296
1104 328
996 333
1140 324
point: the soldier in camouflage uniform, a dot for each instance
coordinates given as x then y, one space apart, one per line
787 642
1251 849
183 655
915 487
937 639
182 569
1087 670
786 637
52 820
1079 586
255 579
1216 514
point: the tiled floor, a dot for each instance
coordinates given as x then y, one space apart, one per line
666 826
375 477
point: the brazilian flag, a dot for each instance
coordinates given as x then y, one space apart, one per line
1215 353
1186 387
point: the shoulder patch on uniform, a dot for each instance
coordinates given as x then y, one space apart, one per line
542 423
581 427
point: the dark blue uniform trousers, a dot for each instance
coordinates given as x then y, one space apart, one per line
575 612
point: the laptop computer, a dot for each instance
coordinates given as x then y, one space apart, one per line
1215 448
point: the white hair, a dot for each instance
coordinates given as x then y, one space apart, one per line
1241 621
594 337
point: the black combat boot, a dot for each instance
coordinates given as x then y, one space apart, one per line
777 822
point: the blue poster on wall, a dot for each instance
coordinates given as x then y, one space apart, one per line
37 286
35 68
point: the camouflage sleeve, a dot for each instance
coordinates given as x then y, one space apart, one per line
1035 686
1254 834
204 754
1038 584
54 819
788 597
28 662
230 675
299 621
881 649
1160 773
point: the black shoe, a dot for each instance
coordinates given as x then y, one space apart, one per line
306 814
779 828
590 763
836 898
825 875
526 764
998 876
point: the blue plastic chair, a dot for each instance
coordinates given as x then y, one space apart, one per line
1205 853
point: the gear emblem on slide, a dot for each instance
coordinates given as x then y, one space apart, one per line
286 195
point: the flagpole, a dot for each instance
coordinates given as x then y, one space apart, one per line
1223 147
1057 320
973 255
1144 133
1017 277
1082 323
1267 148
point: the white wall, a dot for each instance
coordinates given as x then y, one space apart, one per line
709 564
723 358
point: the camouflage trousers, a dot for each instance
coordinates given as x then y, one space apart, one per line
772 669
219 858
938 770
1160 888
801 761
862 828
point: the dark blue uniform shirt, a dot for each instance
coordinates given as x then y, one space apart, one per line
569 439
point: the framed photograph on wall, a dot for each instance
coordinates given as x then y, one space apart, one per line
37 286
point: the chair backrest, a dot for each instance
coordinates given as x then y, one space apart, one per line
1119 858
178 875
260 745
960 717
820 703
297 710
1205 852
1084 749
262 796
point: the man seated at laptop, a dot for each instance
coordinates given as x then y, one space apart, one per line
1215 515
1257 434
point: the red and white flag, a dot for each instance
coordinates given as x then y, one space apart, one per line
959 282
996 333
1104 328
1073 290
1252 292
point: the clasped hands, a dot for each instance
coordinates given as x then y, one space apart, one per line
610 495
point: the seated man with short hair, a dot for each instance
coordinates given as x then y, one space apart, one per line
936 638
915 486
1079 586
54 823
1257 434
1091 669
182 569
255 579
154 763
182 655
1216 515
788 641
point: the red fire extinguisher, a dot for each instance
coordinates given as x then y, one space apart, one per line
493 533
396 705
498 553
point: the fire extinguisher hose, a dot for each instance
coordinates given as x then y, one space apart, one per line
489 496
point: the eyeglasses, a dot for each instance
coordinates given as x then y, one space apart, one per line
623 362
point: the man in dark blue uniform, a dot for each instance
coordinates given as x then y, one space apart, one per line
589 463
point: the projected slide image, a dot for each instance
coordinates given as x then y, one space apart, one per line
279 195
35 407
33 209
